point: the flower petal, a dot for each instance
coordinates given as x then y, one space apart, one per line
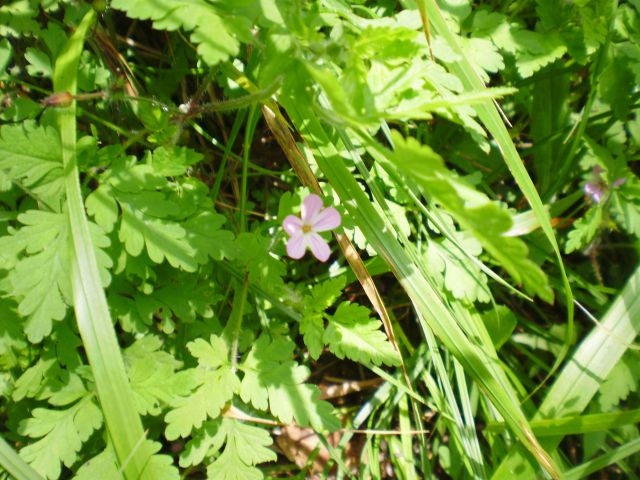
311 205
319 247
595 190
292 224
618 182
326 219
297 245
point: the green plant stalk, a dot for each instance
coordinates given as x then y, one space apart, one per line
491 119
92 312
14 465
234 327
583 374
485 370
235 129
252 121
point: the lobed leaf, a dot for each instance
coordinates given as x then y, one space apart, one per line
198 17
61 433
352 333
32 156
272 380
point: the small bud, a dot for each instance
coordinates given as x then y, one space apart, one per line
59 99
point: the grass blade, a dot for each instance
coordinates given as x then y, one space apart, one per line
92 312
14 465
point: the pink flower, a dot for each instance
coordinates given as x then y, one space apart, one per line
304 230
597 187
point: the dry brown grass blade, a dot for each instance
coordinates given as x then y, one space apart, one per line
115 62
281 132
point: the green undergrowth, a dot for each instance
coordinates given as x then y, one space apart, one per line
477 315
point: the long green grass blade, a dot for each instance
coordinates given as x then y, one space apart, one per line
491 119
14 465
92 312
588 367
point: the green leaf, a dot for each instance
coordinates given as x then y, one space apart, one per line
537 50
175 295
323 295
205 441
627 212
272 380
584 230
173 161
212 385
18 18
32 380
198 17
61 433
347 100
207 239
6 55
621 381
105 467
462 278
39 63
172 222
11 334
385 43
31 156
500 323
615 81
39 280
152 373
38 259
312 330
352 333
253 253
246 446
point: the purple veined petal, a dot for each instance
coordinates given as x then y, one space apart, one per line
326 219
292 224
619 182
595 191
311 205
297 245
319 247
